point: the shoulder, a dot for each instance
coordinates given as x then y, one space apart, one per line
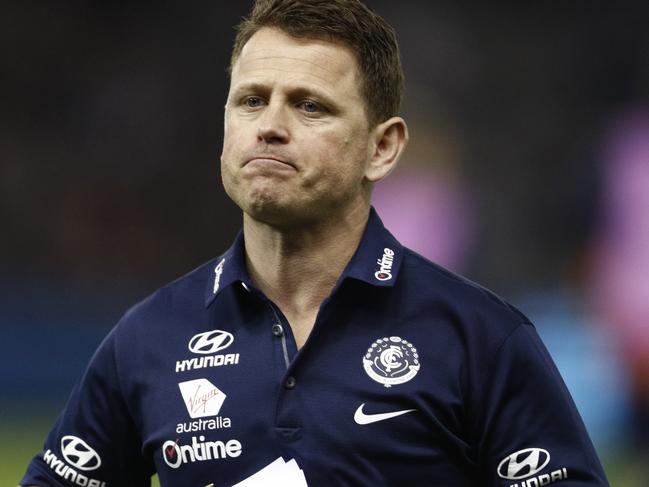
474 308
183 296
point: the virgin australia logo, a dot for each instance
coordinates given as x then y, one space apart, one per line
202 398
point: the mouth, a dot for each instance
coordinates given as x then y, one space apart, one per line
269 162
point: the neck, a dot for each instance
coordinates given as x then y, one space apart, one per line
298 267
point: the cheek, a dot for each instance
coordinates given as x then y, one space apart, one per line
233 131
232 148
349 153
227 179
342 145
228 161
340 165
227 139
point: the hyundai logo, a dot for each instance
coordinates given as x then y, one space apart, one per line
523 463
210 341
78 454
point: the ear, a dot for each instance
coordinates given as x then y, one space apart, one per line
388 141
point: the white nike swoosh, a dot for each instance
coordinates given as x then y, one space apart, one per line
361 418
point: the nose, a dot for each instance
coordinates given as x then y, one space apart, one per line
273 124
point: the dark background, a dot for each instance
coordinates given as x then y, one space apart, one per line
110 134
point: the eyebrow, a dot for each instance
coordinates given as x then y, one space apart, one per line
248 86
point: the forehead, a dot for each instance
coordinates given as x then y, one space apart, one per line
272 54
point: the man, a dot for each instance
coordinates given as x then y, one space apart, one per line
317 337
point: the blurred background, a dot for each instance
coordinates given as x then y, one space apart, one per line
528 172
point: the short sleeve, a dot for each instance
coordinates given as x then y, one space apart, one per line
530 432
94 442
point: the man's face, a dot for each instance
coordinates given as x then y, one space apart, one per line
297 139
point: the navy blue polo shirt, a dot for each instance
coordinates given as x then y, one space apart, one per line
411 376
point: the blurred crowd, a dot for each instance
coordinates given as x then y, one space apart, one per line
528 169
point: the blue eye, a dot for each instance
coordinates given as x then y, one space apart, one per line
253 102
310 107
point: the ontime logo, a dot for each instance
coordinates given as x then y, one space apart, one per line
199 450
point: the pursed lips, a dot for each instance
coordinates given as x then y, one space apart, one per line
268 161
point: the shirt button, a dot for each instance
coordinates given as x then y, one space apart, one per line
278 331
290 382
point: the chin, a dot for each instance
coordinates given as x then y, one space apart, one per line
281 213
268 207
260 202
278 206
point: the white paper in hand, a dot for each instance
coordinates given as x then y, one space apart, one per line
276 474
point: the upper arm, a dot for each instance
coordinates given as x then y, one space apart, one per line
95 437
529 426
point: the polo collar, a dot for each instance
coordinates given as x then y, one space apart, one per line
228 269
377 261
